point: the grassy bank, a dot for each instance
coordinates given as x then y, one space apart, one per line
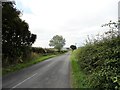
78 77
28 63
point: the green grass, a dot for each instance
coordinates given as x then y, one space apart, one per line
78 77
20 66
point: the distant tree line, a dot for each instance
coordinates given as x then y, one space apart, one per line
16 37
46 51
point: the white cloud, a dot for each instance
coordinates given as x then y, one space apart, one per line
73 19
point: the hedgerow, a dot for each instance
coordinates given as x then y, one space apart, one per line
100 61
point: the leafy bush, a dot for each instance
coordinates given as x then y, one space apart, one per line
100 59
38 50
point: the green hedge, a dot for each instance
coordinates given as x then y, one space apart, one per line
101 61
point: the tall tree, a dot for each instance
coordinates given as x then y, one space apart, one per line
73 47
58 42
15 32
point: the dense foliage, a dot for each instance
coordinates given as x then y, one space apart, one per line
73 47
40 50
16 37
99 59
46 51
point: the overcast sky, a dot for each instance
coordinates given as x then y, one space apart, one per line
73 19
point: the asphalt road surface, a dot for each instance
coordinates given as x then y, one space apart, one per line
51 73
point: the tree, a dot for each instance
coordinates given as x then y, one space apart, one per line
16 37
58 42
73 47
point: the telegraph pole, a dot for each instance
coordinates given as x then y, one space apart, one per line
119 17
1 41
0 44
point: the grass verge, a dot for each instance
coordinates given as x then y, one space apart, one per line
78 77
17 67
